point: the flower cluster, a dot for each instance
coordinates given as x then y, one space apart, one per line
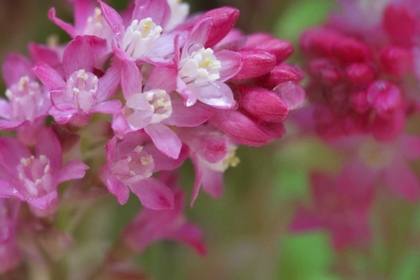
133 94
363 93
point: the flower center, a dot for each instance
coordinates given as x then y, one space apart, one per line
26 99
230 160
136 165
35 174
161 103
147 108
199 68
96 25
139 37
82 88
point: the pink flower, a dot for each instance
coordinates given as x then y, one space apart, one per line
386 164
130 165
340 206
346 89
28 101
151 226
199 72
88 21
154 111
34 177
9 252
83 93
211 153
141 38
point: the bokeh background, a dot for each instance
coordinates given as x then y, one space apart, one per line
246 230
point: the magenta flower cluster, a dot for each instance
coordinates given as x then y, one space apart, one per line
133 95
363 68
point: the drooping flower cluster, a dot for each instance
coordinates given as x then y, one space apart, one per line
172 87
362 90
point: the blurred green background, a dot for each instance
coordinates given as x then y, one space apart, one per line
245 230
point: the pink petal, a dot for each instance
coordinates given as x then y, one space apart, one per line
42 53
198 35
163 162
183 116
409 146
198 170
162 48
305 220
44 202
120 125
153 194
9 125
212 182
74 169
162 78
109 83
402 180
165 139
115 186
355 179
188 93
14 67
107 107
216 94
48 76
49 146
63 25
158 10
82 53
7 191
131 79
113 19
231 64
62 117
190 235
11 151
4 109
83 9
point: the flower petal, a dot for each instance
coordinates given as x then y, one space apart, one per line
153 194
74 169
165 139
216 94
231 64
402 180
63 25
48 76
183 116
14 67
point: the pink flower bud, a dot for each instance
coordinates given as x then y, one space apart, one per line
281 49
360 73
318 42
384 97
255 63
224 19
396 61
350 50
262 104
240 128
280 74
400 24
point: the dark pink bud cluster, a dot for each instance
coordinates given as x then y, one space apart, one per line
363 90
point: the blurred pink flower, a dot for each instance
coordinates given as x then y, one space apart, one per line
340 206
150 226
